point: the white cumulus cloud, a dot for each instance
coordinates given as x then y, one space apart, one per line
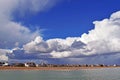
3 54
14 34
104 38
102 41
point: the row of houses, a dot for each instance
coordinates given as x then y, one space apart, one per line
28 64
32 64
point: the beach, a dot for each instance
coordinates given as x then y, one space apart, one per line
52 68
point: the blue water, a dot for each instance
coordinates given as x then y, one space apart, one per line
89 74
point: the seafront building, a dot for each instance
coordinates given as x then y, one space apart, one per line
3 63
32 64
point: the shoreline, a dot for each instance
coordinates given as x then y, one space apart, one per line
53 68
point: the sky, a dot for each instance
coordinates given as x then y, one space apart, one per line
60 31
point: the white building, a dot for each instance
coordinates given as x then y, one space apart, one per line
4 64
30 64
26 65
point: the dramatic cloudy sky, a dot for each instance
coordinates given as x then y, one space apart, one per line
60 31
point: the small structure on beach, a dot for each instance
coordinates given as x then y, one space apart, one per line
3 63
30 64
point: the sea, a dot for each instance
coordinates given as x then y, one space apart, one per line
85 74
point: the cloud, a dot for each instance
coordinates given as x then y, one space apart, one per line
104 38
14 34
3 54
99 59
35 5
49 49
38 45
51 45
57 48
99 45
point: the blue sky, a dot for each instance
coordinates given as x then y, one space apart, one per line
60 31
69 17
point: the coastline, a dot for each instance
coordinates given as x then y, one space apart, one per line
53 68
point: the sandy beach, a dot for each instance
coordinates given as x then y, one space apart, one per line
52 68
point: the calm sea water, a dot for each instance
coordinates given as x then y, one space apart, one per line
94 74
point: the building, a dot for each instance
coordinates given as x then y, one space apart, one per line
30 64
4 64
